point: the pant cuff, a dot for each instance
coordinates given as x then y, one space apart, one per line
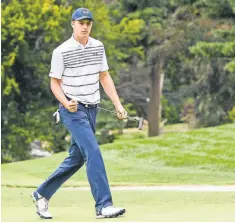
43 195
99 208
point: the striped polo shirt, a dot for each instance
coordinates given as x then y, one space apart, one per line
78 68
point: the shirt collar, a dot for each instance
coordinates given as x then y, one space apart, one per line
79 45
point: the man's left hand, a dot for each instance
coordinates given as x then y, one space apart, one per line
121 112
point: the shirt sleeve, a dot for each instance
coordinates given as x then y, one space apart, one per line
104 64
57 65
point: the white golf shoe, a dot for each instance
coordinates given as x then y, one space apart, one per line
110 212
41 205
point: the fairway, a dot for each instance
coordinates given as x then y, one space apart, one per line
75 205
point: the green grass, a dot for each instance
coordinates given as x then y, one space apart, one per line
134 133
76 206
203 156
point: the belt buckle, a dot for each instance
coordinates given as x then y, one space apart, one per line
86 105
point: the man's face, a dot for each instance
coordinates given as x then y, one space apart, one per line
82 27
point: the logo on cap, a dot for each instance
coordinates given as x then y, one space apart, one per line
85 11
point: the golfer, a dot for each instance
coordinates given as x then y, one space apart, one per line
77 67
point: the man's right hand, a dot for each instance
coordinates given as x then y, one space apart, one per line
72 105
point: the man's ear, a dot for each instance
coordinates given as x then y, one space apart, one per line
72 24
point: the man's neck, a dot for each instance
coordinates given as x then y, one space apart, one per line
82 40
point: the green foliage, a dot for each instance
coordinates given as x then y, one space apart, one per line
189 114
169 111
29 31
221 42
217 8
20 23
107 122
209 112
215 62
231 115
213 49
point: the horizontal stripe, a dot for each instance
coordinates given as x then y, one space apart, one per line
82 54
83 62
93 50
71 85
89 60
66 53
83 58
84 51
83 65
97 47
83 94
80 75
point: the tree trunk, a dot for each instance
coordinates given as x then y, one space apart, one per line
161 127
154 103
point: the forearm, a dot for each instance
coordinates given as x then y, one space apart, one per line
57 91
109 88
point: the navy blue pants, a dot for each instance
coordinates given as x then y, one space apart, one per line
83 149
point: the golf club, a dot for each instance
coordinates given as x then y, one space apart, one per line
139 119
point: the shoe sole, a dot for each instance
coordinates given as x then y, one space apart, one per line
41 216
34 201
121 212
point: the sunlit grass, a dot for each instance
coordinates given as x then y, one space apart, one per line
78 206
202 156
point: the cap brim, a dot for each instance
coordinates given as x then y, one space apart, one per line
84 17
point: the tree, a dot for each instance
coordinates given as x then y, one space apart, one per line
186 23
163 35
215 62
29 31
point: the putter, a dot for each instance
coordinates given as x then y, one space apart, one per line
139 119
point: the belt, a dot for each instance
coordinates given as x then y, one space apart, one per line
89 105
85 105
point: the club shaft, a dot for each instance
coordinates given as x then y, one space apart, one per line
115 113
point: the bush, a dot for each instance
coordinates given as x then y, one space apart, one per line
105 136
169 111
188 114
208 114
231 115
